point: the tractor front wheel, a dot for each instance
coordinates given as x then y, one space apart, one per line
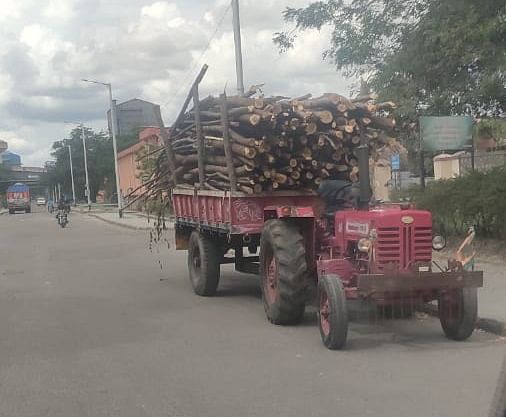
458 312
332 312
283 270
203 264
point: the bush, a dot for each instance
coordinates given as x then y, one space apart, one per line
478 199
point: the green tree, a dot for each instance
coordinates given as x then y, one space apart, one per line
429 56
100 163
4 183
129 139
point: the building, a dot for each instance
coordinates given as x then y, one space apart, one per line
10 159
16 172
129 166
3 146
133 114
448 166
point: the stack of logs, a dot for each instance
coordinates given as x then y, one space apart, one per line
274 143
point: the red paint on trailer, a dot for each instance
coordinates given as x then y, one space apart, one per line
238 213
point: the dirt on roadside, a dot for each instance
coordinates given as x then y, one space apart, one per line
487 250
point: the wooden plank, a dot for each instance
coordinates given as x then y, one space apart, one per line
226 142
200 137
197 81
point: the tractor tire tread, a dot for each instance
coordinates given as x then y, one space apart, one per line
288 246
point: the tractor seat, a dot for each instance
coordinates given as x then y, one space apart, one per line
337 195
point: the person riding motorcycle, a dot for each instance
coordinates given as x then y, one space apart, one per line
61 214
63 205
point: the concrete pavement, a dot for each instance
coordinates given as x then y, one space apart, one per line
493 293
92 323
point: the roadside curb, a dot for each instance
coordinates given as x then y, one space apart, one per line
494 326
120 224
126 226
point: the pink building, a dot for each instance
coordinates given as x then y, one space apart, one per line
128 164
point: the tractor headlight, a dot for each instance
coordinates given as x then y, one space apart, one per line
438 242
364 244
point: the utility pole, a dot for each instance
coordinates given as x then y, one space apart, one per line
115 150
87 186
237 42
72 176
114 145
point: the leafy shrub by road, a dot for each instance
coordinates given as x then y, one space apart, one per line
478 198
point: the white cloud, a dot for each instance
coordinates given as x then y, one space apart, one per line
59 9
10 10
145 48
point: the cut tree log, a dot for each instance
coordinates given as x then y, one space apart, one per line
272 143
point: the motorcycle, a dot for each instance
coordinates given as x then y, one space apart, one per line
62 218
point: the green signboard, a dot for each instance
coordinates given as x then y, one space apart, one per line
450 133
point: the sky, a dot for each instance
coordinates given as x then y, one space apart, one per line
146 49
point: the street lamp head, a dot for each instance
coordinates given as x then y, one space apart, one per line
94 82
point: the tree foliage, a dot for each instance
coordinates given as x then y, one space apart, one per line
476 199
438 57
4 179
129 139
100 163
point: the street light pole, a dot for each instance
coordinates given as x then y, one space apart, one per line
114 145
115 150
72 176
237 42
86 168
87 184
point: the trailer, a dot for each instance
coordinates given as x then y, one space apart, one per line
323 242
376 253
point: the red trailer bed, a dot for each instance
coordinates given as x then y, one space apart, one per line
236 212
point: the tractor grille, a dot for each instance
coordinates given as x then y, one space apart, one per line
403 246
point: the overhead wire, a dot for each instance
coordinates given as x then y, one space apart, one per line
193 68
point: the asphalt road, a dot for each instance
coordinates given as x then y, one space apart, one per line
94 324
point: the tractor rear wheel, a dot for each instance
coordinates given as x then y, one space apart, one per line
203 264
332 312
283 270
458 312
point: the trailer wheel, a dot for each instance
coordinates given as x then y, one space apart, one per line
283 270
203 264
458 312
332 312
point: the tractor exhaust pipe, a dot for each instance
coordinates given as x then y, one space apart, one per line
364 177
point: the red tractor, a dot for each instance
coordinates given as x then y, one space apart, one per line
363 252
